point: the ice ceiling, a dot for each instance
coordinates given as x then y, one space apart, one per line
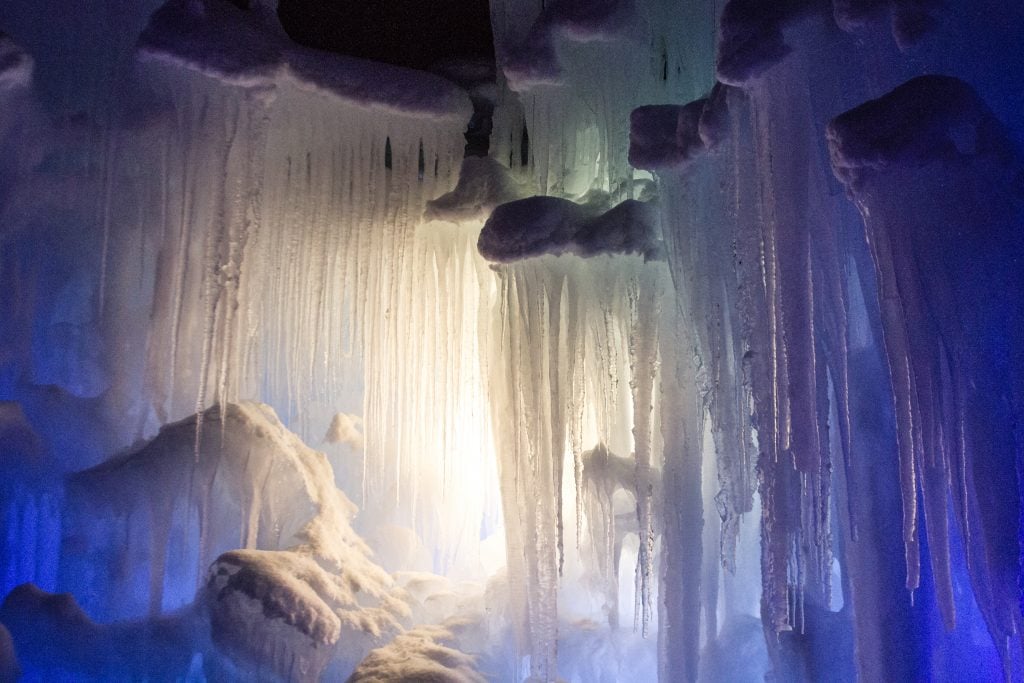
683 341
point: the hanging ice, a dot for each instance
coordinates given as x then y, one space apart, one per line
721 334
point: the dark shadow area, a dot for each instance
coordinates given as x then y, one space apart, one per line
412 33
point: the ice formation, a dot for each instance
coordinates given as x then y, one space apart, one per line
418 655
704 366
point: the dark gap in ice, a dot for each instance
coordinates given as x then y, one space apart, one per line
524 148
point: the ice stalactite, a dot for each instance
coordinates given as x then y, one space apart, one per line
761 299
301 225
428 434
29 504
570 111
646 297
792 427
577 72
568 324
937 182
294 247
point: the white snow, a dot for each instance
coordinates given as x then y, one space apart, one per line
483 185
422 654
779 396
226 43
549 225
346 429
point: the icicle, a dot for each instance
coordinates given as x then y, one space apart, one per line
644 368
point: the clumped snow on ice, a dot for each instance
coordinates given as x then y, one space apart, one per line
222 41
534 62
752 40
663 136
483 185
550 225
422 654
346 429
928 119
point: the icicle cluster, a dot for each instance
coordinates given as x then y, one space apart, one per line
574 362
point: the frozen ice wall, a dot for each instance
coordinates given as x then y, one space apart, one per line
709 371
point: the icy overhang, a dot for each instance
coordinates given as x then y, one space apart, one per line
927 119
664 136
550 225
229 44
535 60
751 32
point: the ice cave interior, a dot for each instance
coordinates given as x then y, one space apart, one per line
520 340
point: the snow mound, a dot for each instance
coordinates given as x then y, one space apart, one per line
664 136
423 654
483 185
16 65
346 429
927 119
549 225
283 611
254 483
230 44
535 61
